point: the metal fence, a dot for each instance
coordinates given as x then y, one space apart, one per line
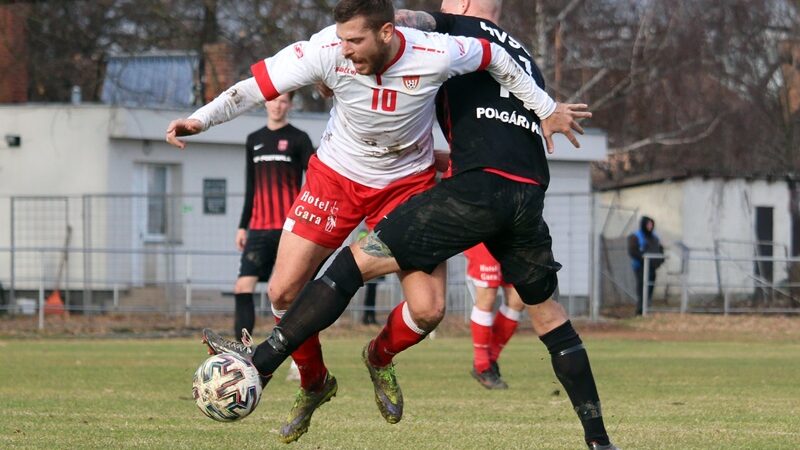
731 276
174 255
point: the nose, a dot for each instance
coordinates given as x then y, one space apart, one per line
347 51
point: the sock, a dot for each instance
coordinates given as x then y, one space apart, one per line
309 360
399 333
505 323
317 306
571 365
481 325
245 314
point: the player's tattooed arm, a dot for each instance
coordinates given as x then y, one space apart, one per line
415 19
373 246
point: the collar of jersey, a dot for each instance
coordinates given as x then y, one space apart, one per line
396 56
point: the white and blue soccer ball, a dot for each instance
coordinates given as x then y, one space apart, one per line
226 387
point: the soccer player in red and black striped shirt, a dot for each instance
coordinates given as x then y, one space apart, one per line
277 155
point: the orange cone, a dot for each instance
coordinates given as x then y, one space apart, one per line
54 304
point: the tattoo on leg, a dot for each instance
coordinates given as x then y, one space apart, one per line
373 246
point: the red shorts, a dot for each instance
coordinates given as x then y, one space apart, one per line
330 206
483 269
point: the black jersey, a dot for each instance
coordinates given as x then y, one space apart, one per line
485 125
275 163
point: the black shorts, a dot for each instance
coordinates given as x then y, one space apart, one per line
468 209
259 254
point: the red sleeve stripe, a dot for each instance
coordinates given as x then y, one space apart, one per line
487 54
259 71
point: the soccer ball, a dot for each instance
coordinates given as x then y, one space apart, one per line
226 387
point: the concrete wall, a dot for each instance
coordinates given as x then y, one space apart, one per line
701 212
724 211
62 150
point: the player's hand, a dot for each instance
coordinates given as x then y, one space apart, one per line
241 239
564 121
183 127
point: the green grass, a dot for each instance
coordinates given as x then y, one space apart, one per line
103 393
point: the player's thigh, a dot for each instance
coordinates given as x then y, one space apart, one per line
425 295
525 249
441 222
297 261
258 256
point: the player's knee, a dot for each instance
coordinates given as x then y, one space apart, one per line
281 295
243 286
428 317
538 291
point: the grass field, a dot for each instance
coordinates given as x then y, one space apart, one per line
130 393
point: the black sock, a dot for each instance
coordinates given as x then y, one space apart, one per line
571 365
245 316
317 307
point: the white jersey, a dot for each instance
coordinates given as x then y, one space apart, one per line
380 125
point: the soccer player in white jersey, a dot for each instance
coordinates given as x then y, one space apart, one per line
376 153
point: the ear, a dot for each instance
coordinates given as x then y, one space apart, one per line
386 32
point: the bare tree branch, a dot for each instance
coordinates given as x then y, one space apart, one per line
669 138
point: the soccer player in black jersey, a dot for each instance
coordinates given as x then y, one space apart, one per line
495 196
277 155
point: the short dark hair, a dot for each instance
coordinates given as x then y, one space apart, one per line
376 12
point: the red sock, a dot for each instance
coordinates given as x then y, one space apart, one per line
399 333
310 364
481 324
505 323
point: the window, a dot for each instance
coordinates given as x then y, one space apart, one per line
764 236
157 208
157 182
214 197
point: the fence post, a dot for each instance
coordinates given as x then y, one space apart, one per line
41 290
116 297
685 284
188 309
726 302
594 289
87 255
12 300
645 284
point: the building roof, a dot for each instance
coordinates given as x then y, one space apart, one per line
155 79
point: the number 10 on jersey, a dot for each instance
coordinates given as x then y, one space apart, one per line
384 99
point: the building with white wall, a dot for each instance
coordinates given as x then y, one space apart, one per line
120 187
724 217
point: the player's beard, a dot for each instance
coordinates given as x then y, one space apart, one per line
375 61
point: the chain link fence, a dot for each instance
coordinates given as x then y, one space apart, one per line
174 256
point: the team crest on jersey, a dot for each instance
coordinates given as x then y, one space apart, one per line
298 50
283 145
411 82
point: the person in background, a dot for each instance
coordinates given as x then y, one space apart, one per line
644 240
490 332
276 157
